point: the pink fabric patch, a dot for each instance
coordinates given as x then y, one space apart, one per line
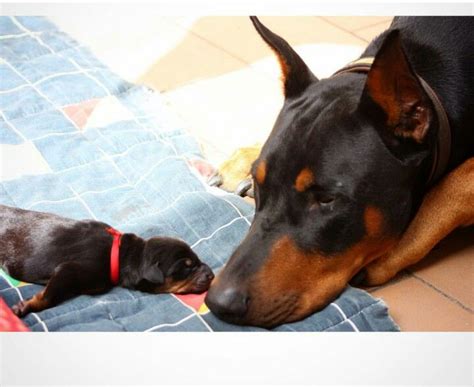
80 113
193 300
204 168
8 321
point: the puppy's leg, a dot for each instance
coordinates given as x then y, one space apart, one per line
447 206
68 280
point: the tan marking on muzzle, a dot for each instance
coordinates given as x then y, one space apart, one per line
290 269
304 180
261 172
171 286
314 278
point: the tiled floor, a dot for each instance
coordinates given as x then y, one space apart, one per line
437 294
218 75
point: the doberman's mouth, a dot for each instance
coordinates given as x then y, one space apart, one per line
281 312
275 312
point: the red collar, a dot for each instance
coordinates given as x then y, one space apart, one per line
114 255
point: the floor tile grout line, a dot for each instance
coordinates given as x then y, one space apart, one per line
248 64
220 48
343 29
371 25
403 276
449 297
406 274
357 28
213 44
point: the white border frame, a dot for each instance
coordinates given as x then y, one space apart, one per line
239 358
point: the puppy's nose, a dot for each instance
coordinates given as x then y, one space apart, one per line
229 304
206 272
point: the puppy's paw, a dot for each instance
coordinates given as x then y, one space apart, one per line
21 309
378 273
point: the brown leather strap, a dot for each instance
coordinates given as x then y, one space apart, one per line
442 149
443 143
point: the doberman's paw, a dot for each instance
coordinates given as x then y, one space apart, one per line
21 309
377 273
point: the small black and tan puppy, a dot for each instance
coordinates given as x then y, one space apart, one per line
87 257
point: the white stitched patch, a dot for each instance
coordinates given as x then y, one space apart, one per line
19 160
108 111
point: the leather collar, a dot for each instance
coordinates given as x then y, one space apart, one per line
442 150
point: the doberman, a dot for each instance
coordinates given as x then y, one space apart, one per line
362 174
74 257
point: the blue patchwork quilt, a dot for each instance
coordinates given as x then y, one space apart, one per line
78 141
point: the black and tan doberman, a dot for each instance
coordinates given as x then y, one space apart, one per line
363 173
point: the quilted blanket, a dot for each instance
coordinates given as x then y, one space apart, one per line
78 141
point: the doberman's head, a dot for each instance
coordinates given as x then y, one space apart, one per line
334 186
169 265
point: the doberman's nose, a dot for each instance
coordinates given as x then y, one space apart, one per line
229 303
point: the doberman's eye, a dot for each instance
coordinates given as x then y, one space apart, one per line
188 262
326 200
321 200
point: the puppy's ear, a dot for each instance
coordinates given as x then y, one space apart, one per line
296 75
394 87
154 275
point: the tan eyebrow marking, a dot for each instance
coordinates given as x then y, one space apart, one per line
261 172
373 220
304 180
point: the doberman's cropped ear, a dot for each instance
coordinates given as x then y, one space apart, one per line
154 275
296 75
394 87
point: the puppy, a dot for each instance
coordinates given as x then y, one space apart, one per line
87 257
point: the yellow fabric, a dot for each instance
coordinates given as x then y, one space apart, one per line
367 60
